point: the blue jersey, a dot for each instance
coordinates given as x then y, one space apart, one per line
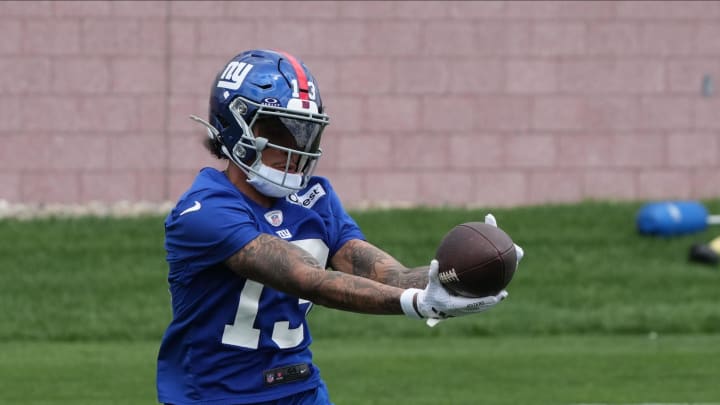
234 340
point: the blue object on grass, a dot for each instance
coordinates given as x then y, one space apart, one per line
670 218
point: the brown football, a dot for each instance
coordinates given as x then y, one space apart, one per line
476 260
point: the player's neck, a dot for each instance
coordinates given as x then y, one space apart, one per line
239 179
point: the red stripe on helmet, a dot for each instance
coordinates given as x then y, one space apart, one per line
300 73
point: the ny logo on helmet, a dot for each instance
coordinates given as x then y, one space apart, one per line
233 75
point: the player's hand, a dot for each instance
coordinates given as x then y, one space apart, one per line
519 252
436 303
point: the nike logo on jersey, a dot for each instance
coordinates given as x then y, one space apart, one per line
195 207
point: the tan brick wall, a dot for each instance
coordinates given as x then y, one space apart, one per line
479 103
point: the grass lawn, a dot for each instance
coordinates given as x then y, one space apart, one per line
85 302
440 370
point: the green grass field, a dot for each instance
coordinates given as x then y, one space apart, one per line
421 370
596 315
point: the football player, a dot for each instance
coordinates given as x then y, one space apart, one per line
248 249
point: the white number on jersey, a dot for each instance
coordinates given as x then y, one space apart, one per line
242 333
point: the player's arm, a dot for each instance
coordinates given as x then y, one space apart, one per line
363 259
281 265
276 263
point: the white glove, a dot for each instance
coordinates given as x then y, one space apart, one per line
519 252
436 303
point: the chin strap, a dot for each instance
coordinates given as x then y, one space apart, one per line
213 133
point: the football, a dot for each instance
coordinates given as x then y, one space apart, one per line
476 260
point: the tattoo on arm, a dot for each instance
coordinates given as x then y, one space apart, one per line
289 268
271 261
365 260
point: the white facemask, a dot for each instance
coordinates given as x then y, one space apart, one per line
267 181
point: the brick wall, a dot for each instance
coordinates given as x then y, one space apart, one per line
480 103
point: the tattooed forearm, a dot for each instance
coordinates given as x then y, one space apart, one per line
353 293
365 260
286 267
414 278
270 260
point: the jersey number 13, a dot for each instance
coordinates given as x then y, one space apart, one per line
242 332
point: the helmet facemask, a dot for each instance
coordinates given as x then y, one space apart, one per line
303 148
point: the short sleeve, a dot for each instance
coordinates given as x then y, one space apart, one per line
342 226
204 237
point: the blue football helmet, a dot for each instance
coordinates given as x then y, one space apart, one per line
260 84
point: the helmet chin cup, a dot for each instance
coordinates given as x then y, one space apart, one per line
272 182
